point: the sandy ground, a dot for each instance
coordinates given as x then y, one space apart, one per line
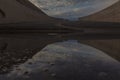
15 50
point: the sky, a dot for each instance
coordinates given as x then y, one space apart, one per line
71 9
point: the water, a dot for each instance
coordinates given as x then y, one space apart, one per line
65 61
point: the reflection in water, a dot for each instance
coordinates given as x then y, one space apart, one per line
71 9
67 60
